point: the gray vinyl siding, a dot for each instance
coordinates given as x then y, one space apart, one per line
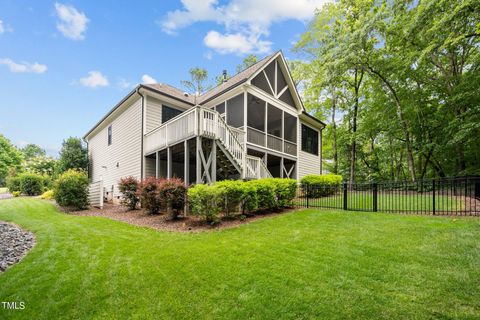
124 150
154 114
150 167
308 163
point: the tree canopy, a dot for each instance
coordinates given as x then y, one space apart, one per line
73 155
10 158
397 82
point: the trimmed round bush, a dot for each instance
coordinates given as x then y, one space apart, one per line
205 201
13 184
316 186
31 184
71 189
265 190
129 187
285 191
172 193
148 192
231 194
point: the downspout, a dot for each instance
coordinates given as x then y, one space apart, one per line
141 144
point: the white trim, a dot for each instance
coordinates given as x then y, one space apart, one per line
282 92
277 103
268 81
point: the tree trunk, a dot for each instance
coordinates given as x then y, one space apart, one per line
334 128
403 123
353 150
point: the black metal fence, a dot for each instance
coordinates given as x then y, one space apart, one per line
448 196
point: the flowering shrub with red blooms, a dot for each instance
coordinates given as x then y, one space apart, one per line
128 187
148 192
172 193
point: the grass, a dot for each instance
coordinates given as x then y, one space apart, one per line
393 202
303 265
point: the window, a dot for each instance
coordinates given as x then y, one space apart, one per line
109 135
169 113
309 140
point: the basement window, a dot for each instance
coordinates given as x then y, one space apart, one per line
110 135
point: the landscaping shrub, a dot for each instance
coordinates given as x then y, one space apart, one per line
172 193
13 184
16 193
129 187
265 192
249 200
71 189
285 191
48 195
315 186
205 201
148 192
231 195
31 184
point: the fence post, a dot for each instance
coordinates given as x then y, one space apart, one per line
308 191
433 197
375 199
345 204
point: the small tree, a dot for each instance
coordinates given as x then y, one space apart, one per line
197 84
129 187
71 189
32 151
73 155
10 159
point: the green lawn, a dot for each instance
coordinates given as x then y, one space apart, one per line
393 202
303 265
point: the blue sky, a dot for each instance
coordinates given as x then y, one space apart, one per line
63 65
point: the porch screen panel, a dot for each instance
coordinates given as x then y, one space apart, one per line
220 108
290 128
274 121
255 113
235 111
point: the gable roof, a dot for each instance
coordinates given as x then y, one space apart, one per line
171 92
236 80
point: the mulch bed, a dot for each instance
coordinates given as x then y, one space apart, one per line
163 221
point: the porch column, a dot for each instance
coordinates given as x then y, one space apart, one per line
157 163
198 148
186 163
169 162
213 165
282 167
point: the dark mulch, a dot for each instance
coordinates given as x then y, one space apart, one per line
164 222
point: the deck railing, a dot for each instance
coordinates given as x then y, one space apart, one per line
206 123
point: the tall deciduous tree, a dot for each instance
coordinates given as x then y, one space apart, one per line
73 155
198 81
31 151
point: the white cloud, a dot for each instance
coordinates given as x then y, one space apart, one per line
94 79
124 84
235 43
245 21
2 28
73 23
23 67
148 79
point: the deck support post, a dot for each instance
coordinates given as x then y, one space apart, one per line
157 163
169 163
213 164
198 148
186 163
282 168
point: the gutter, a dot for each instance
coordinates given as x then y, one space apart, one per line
315 119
